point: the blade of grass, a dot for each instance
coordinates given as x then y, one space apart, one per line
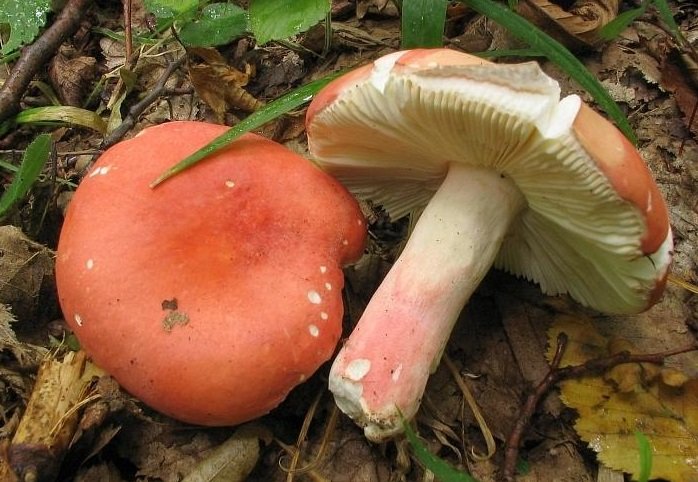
33 163
423 23
62 113
490 54
668 18
556 53
616 26
645 451
440 468
269 112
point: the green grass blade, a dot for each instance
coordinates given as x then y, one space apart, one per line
33 163
556 53
423 23
616 26
439 467
62 113
645 451
493 54
668 18
271 111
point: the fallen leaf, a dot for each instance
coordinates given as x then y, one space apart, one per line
383 8
575 27
70 75
219 84
26 275
611 409
234 459
678 83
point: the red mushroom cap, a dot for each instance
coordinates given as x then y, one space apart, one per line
213 295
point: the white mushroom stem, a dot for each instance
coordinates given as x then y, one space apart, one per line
383 368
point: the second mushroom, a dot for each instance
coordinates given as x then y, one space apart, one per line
501 172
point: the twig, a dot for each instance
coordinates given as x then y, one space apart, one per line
557 374
35 56
127 29
138 108
475 408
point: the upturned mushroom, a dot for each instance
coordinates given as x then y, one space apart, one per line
501 172
212 296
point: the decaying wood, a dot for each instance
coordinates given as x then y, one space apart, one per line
49 421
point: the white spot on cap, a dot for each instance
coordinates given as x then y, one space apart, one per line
357 369
314 297
323 269
301 378
328 286
100 171
229 183
78 319
314 330
345 242
90 263
396 373
324 316
360 222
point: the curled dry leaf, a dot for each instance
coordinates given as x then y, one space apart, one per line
70 75
628 399
219 84
576 27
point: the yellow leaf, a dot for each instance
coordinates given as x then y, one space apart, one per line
661 403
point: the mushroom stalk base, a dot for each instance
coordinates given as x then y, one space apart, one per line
382 370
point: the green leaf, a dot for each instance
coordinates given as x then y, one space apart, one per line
440 468
280 19
171 8
556 53
269 112
25 18
423 23
616 26
33 162
218 24
645 450
62 113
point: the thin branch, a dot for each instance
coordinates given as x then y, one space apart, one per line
35 56
127 29
138 108
557 374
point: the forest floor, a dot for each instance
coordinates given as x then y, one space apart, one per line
500 343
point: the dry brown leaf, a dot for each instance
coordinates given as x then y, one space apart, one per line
234 459
576 27
218 84
384 8
26 272
676 81
612 408
70 75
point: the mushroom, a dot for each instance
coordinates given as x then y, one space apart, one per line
210 297
500 172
